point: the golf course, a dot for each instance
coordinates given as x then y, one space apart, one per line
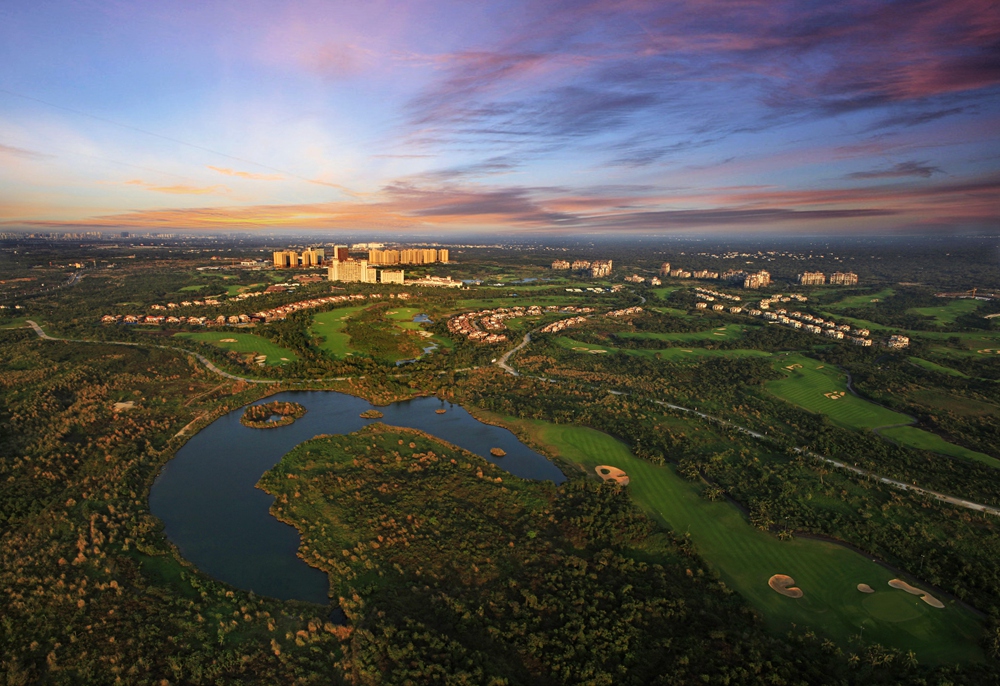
746 558
243 343
330 327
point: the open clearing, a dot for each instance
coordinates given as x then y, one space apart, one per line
811 385
670 354
746 558
926 364
244 343
919 439
947 314
861 300
330 327
720 333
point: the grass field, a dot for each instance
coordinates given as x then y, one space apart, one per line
670 354
919 439
673 312
721 333
14 323
745 558
244 343
665 292
947 314
937 367
194 287
818 388
861 300
330 327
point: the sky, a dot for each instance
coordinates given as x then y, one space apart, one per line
501 118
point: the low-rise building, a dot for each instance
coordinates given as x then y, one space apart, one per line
897 341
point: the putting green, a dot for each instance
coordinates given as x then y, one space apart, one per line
244 343
821 388
330 327
746 558
892 605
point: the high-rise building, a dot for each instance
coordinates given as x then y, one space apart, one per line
443 255
560 264
580 265
383 256
844 279
600 268
286 258
812 279
665 269
759 279
352 271
341 253
391 276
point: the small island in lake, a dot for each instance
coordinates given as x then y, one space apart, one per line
271 415
371 414
497 452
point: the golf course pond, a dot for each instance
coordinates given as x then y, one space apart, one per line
207 499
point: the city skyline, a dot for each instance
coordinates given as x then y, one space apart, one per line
520 117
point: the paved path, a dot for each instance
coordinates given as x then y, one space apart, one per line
201 358
502 362
952 500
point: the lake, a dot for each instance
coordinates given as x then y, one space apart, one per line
207 499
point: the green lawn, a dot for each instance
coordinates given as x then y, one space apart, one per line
673 312
806 384
330 327
671 354
937 367
948 313
194 287
745 558
244 343
722 333
664 293
14 323
862 300
925 440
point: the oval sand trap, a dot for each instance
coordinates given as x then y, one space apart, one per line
865 588
785 585
924 596
609 473
227 340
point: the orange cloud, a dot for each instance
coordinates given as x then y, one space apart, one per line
246 175
179 189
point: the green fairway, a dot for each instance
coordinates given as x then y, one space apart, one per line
671 354
330 327
194 287
948 313
672 311
823 389
721 333
925 440
862 300
746 558
15 323
937 367
244 343
664 293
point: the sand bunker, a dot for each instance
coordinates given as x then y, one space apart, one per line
793 367
835 395
609 473
865 588
924 596
127 405
227 340
784 585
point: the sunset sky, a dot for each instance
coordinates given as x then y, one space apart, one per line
501 117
